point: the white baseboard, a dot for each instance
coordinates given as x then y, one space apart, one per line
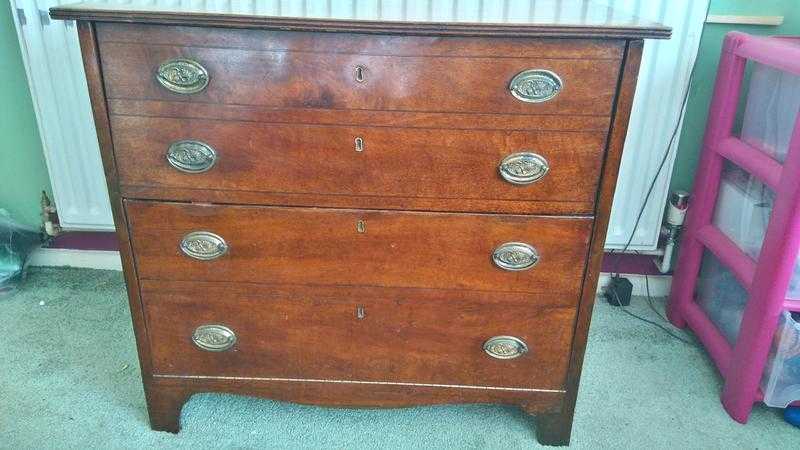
61 257
659 284
97 259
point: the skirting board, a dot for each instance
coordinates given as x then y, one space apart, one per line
97 259
62 257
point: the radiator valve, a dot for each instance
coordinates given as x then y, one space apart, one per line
49 216
676 214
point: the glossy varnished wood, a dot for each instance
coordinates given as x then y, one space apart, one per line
321 116
319 246
161 417
296 273
555 428
361 44
173 392
393 162
586 18
351 201
309 78
316 333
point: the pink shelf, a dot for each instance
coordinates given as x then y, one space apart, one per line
765 280
752 160
742 266
715 343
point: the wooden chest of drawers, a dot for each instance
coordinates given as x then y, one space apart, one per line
360 213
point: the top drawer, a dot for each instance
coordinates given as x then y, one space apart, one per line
307 70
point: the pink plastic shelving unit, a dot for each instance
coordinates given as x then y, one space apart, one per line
766 278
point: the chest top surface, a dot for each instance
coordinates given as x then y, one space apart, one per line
525 18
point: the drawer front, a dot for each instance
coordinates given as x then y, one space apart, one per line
367 161
232 330
350 80
358 247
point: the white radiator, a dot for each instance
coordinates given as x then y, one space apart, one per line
58 87
52 59
663 77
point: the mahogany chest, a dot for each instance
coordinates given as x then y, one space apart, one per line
349 212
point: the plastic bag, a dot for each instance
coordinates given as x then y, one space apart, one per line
773 103
16 243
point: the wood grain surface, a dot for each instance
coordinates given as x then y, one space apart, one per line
588 19
315 333
283 109
365 44
314 79
394 162
323 247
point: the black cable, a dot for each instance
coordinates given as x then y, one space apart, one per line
655 324
667 152
658 173
662 316
653 308
650 299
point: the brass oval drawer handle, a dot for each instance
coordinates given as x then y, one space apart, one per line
203 245
535 85
505 347
182 76
523 168
214 337
191 156
515 256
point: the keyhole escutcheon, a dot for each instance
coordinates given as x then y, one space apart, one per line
359 144
361 74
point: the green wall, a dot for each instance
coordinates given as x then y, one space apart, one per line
700 96
23 174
